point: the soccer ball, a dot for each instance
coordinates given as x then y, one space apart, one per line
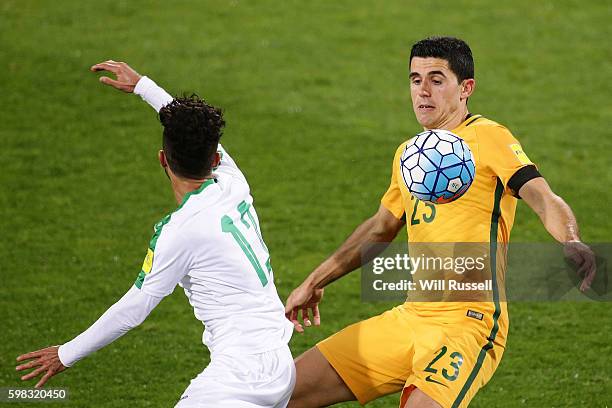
437 166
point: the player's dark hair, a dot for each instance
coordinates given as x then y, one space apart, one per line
192 129
455 51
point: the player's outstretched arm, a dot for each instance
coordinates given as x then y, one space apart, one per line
127 313
560 222
382 227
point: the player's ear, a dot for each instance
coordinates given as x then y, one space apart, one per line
162 159
467 88
216 160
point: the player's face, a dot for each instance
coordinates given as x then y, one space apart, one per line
438 100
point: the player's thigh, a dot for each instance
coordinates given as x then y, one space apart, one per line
317 383
418 399
371 358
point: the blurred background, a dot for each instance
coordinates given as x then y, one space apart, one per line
316 98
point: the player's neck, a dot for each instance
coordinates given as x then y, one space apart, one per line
181 187
454 120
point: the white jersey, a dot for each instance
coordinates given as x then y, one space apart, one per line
212 246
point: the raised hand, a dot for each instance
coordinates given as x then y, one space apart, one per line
126 80
48 362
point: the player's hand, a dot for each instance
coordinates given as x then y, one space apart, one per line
126 80
306 300
48 363
584 259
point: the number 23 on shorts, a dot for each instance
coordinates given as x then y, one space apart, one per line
450 372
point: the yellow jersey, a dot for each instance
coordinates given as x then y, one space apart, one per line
484 214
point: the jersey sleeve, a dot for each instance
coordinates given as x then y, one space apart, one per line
504 154
152 93
392 199
131 310
167 262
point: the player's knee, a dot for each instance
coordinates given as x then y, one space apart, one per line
299 402
305 397
312 398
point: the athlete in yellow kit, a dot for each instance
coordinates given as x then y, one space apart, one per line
438 354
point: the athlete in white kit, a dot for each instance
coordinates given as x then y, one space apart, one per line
212 246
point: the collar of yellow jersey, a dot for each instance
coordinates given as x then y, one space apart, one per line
469 119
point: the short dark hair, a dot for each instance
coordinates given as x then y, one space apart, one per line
192 129
455 51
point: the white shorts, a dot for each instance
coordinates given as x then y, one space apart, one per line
259 380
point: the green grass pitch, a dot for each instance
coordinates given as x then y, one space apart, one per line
316 98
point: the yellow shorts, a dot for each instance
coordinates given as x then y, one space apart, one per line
447 355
